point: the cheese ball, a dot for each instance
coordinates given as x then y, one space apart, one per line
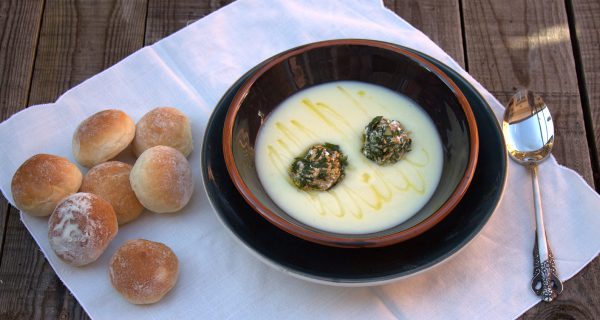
42 181
110 180
321 168
385 141
162 179
102 137
165 126
143 271
81 227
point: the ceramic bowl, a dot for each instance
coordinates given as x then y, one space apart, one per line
367 61
367 266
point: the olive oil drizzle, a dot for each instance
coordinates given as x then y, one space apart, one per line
316 109
339 203
383 106
319 203
304 129
355 102
358 212
347 200
380 187
323 207
277 161
285 147
288 134
415 163
411 184
380 197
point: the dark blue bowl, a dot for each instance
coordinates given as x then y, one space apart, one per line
363 266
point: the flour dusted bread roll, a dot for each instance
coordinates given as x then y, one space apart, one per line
164 126
162 179
110 180
102 136
143 271
42 181
81 227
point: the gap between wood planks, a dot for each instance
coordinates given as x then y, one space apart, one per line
4 230
5 227
583 94
146 23
463 35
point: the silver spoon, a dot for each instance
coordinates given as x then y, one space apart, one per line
529 133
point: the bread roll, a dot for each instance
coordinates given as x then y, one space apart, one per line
102 136
162 179
110 180
143 271
42 181
164 126
81 227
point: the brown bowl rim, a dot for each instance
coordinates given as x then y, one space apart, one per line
353 240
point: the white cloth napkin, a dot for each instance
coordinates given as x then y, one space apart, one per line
219 279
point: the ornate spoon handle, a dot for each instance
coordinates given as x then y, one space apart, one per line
545 282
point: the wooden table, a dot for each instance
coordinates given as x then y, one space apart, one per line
550 46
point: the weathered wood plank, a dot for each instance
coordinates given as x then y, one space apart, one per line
527 44
439 20
81 38
77 40
586 15
30 289
167 16
579 300
19 29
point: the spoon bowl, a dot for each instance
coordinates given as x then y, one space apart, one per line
529 133
528 128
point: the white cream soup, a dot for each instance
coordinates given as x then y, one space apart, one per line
370 197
